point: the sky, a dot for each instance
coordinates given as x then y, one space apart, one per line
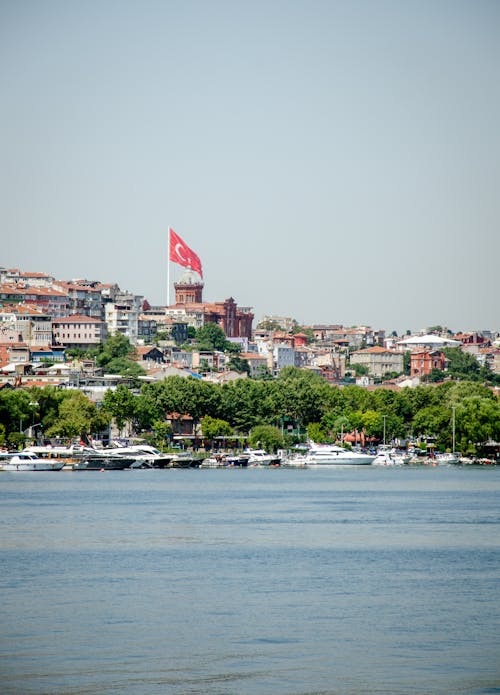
332 161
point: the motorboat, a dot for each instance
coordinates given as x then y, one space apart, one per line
259 457
389 456
69 455
294 461
144 455
447 457
25 461
332 455
103 462
184 460
225 461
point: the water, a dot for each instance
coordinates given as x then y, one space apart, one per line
251 582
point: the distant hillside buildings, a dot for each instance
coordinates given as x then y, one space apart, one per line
41 317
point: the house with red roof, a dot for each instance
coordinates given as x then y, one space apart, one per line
379 360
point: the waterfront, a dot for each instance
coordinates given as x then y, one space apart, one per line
252 582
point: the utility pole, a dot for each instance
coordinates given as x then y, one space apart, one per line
453 408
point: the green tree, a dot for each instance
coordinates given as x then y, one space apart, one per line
317 433
121 404
211 428
78 416
461 364
211 337
239 364
266 437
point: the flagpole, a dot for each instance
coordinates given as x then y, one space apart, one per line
168 268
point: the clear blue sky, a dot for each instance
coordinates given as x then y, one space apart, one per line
337 162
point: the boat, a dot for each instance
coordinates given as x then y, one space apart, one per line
332 455
225 461
100 462
69 455
184 460
144 455
447 457
387 456
294 461
259 457
25 461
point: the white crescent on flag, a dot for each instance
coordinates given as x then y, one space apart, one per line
181 253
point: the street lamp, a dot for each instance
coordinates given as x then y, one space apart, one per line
34 405
384 417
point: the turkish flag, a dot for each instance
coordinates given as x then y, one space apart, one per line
181 253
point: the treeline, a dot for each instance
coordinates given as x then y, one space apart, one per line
297 404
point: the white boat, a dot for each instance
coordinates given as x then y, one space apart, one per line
68 455
332 455
25 461
387 456
259 457
294 461
447 457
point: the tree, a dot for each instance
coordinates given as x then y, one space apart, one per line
239 364
317 433
269 325
211 336
211 428
78 417
266 437
121 404
461 364
359 369
116 356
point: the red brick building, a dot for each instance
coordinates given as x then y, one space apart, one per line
422 362
234 321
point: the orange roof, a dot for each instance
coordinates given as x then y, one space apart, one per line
377 349
76 318
24 308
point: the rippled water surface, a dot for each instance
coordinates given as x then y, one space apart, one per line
252 582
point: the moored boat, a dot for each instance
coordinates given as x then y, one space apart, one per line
184 460
260 457
25 461
106 463
332 455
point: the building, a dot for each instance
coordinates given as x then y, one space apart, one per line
428 341
378 360
78 331
422 362
25 323
190 308
122 315
84 297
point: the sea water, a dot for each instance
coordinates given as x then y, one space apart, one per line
350 581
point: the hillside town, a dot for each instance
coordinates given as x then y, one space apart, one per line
44 319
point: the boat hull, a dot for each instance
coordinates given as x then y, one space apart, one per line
41 466
104 463
339 462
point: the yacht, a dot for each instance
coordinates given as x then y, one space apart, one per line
332 455
259 457
144 455
25 461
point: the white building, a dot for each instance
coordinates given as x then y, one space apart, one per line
431 341
283 356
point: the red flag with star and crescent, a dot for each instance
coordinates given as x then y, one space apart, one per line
181 253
